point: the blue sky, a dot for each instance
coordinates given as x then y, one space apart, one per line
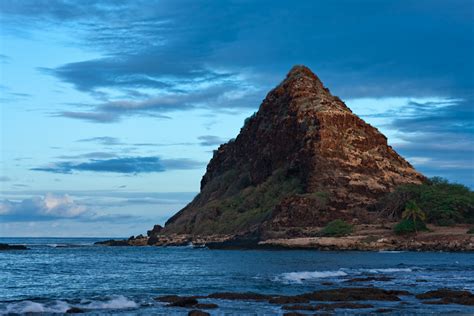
110 110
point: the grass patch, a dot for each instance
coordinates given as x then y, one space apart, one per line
337 228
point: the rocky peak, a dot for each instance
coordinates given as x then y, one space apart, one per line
303 73
302 92
303 159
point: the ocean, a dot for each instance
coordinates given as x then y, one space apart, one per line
57 274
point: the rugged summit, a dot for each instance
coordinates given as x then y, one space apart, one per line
302 160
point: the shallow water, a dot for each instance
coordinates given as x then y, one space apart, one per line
58 273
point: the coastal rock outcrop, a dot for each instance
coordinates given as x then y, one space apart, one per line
12 247
113 243
302 160
448 296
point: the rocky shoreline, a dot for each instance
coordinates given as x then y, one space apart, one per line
366 238
327 300
354 298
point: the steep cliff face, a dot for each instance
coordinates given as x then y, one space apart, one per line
303 159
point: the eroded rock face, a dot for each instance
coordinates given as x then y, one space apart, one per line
302 160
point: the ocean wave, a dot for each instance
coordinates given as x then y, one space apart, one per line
29 307
57 245
299 277
67 245
389 270
116 302
58 306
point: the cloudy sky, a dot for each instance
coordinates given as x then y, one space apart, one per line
110 110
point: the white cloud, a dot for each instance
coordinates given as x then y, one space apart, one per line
50 206
62 206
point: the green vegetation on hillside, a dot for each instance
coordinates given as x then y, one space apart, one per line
407 226
244 205
413 220
413 213
337 228
443 203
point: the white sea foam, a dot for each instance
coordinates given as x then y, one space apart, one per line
58 245
65 245
25 307
389 270
299 277
115 302
35 307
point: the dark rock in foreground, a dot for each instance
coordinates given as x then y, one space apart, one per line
334 295
343 305
196 312
447 296
328 307
206 306
184 302
175 298
355 294
12 247
75 310
342 298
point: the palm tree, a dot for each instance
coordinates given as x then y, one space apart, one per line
414 213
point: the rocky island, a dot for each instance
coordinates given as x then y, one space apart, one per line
4 247
306 172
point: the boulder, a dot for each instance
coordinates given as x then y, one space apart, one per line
184 302
206 306
448 296
196 312
75 310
